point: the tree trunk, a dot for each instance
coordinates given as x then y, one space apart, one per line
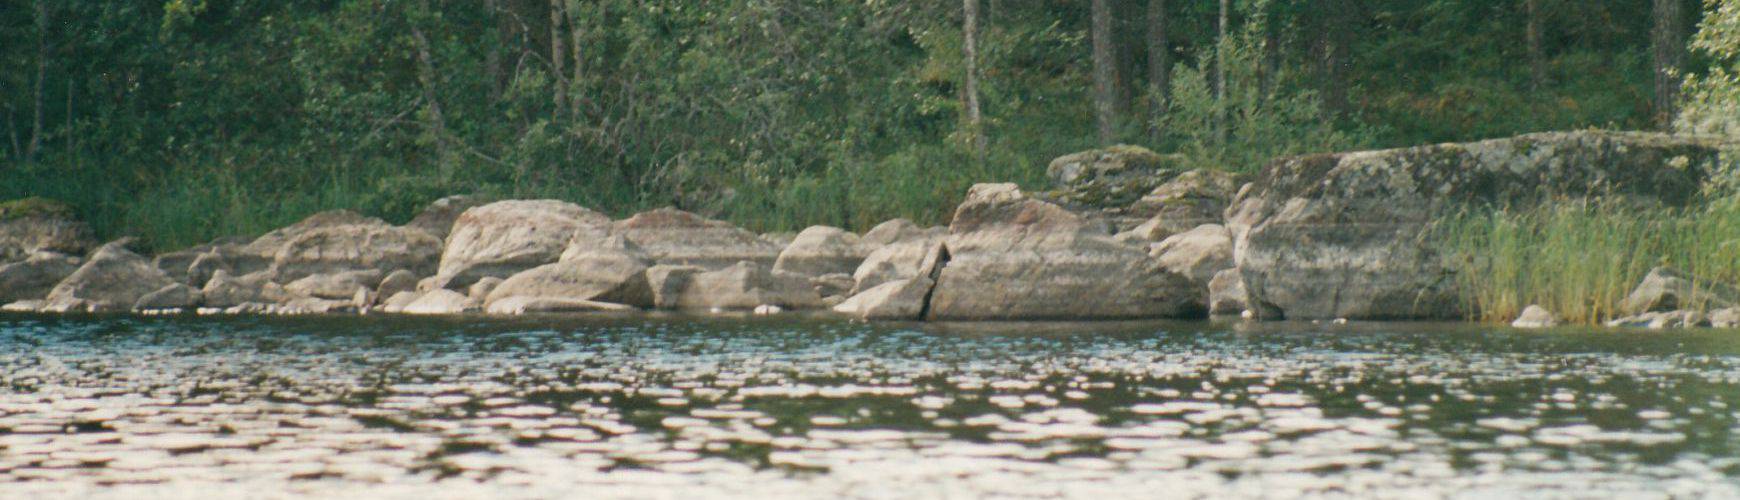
970 52
1220 53
492 60
1532 34
1668 50
431 100
40 97
577 30
558 56
1105 81
1159 64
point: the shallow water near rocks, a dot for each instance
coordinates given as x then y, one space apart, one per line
687 407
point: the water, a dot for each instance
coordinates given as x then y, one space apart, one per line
684 407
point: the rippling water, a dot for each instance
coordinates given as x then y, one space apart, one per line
684 407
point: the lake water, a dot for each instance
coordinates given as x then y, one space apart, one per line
793 406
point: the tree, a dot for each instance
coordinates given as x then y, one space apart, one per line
1159 62
970 52
1711 102
1666 49
1105 73
41 76
1532 38
558 42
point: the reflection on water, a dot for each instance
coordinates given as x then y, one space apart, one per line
680 407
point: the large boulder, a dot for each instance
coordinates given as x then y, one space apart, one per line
1665 289
745 286
1009 256
113 279
1190 200
1226 294
821 250
173 296
33 225
613 271
901 299
1344 235
674 237
437 219
1103 184
668 282
898 230
366 245
179 264
897 261
506 237
33 277
259 254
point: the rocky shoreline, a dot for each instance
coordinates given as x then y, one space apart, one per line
1124 234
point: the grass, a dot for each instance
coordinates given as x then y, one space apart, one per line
1580 260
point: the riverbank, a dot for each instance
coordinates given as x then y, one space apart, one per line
1123 234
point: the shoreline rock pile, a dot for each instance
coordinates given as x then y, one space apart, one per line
1124 234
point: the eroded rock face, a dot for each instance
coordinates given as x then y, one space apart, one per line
34 225
613 272
365 245
1665 289
506 237
113 279
821 250
437 218
746 286
1012 257
33 277
674 237
1341 235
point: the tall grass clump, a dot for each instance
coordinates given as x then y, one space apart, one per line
1580 260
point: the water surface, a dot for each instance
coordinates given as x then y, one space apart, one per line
685 407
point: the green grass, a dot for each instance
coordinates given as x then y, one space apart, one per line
1581 260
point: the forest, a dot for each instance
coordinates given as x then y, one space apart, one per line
183 120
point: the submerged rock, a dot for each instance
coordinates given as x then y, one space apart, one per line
34 277
1535 317
674 237
1009 257
1343 235
506 237
1665 289
113 279
821 250
744 287
32 225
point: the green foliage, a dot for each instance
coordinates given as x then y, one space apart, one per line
1581 260
1712 100
33 206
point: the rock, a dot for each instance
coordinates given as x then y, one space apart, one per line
524 304
898 230
396 303
1192 199
668 282
366 245
24 306
1012 257
113 279
1726 318
674 237
1665 289
439 301
262 252
1662 320
897 261
614 272
225 290
1344 235
821 250
207 265
901 299
314 305
1199 253
1114 176
337 286
1226 294
745 286
829 285
173 296
1535 317
33 277
781 239
506 237
32 225
397 281
437 218
480 290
